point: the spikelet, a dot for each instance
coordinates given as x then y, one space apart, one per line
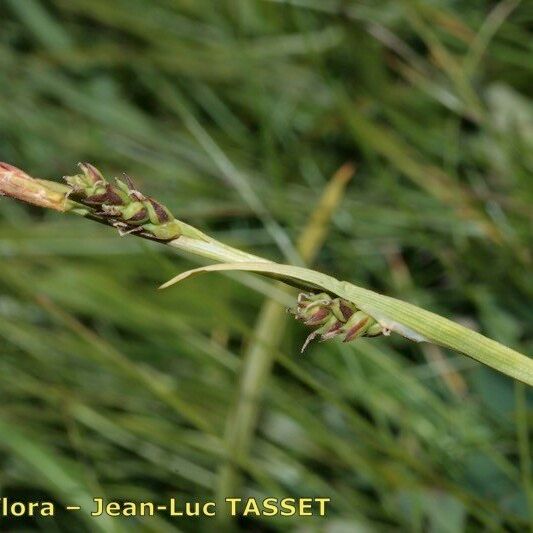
121 205
333 317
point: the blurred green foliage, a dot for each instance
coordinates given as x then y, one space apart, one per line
236 113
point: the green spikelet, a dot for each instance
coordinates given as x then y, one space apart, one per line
121 205
334 317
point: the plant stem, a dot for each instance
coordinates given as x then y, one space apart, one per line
213 249
17 184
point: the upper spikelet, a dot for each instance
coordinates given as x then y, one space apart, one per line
121 204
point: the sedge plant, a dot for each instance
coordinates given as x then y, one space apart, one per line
333 308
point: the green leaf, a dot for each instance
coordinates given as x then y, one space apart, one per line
395 315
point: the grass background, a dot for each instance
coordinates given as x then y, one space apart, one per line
236 114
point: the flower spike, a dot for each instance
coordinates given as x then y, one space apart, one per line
335 317
121 205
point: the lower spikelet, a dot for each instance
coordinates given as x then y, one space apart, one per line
334 317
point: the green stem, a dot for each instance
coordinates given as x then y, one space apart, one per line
198 243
